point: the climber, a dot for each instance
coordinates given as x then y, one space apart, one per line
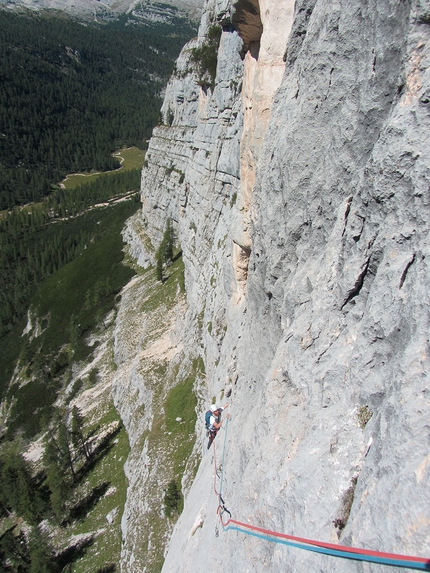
213 421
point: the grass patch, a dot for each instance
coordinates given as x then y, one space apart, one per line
77 179
180 408
165 294
132 157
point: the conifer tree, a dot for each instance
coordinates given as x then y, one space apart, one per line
56 479
18 490
168 240
74 331
40 553
14 554
78 436
165 250
159 266
64 443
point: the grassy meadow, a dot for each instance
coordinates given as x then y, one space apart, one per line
130 158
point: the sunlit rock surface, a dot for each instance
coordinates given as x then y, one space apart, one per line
299 188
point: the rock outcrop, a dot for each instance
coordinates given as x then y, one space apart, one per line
298 183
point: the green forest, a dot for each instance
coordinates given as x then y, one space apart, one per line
68 273
53 495
72 93
31 249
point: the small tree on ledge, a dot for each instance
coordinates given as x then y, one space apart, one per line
206 56
172 499
164 254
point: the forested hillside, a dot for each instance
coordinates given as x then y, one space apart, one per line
30 251
70 94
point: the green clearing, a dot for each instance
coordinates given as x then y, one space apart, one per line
132 158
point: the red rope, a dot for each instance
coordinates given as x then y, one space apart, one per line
215 474
327 545
333 549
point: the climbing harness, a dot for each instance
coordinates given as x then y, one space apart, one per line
211 435
332 549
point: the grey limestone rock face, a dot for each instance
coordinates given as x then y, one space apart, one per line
321 330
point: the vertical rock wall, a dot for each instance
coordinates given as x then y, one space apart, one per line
264 66
304 227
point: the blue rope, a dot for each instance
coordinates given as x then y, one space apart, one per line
336 553
423 565
223 458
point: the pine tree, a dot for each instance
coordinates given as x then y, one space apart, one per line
64 443
14 555
159 266
172 498
168 240
41 555
18 489
165 250
55 478
73 330
78 436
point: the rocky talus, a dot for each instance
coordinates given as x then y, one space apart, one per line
297 180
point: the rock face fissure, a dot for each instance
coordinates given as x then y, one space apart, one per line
264 66
298 184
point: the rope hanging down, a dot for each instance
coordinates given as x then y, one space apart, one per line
332 549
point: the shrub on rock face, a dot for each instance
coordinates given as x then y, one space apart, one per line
165 250
364 415
172 499
206 57
159 267
170 116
